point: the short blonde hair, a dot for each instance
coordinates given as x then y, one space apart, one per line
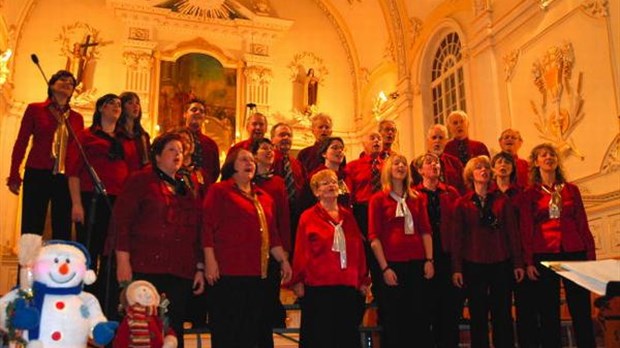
510 130
460 113
386 175
321 175
468 172
439 126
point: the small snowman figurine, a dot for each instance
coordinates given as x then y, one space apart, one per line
142 327
58 314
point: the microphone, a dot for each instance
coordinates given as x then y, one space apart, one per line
35 60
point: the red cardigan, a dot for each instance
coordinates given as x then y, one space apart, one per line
475 242
232 228
159 229
474 148
447 203
40 123
314 262
210 159
390 230
310 158
570 233
275 187
112 172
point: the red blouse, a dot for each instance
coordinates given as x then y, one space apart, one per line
210 159
135 149
112 172
275 187
569 233
40 123
232 228
522 172
390 230
314 262
476 242
474 148
159 229
447 203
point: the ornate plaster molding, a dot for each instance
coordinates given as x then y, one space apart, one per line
510 62
398 38
307 60
481 6
258 75
415 29
138 60
596 8
552 76
611 161
544 4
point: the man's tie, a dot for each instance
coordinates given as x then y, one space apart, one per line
289 180
375 175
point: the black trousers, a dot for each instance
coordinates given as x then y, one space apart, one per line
538 307
178 291
330 317
94 240
489 290
236 310
446 305
39 189
406 307
273 314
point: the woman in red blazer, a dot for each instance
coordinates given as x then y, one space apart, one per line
239 235
554 227
329 269
486 255
400 237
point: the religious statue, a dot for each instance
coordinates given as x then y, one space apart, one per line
312 86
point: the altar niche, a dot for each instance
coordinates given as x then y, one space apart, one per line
197 75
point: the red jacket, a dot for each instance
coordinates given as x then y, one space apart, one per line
310 157
475 242
136 149
275 187
308 199
314 262
447 203
358 176
232 228
112 172
474 148
523 172
390 230
570 233
159 229
40 123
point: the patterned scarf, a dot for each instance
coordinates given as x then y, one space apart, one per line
138 321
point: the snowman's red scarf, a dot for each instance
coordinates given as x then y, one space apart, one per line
39 291
138 321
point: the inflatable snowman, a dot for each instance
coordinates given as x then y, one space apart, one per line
58 314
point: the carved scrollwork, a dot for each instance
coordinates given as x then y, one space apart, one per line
258 75
510 62
306 60
138 60
596 8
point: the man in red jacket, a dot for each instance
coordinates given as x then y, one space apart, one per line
461 146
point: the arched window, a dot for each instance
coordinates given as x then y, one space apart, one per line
447 83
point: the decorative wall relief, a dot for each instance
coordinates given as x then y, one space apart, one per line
596 8
510 61
79 43
560 109
415 28
611 161
4 65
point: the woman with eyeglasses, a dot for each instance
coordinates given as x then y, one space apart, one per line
486 255
239 236
44 178
555 228
91 209
158 232
400 237
332 152
329 269
274 315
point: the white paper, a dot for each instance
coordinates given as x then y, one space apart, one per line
592 275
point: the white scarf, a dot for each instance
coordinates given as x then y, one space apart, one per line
402 210
340 244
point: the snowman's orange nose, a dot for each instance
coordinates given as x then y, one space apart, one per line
64 269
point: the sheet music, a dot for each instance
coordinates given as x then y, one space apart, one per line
592 275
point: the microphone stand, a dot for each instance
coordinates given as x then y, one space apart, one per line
97 183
